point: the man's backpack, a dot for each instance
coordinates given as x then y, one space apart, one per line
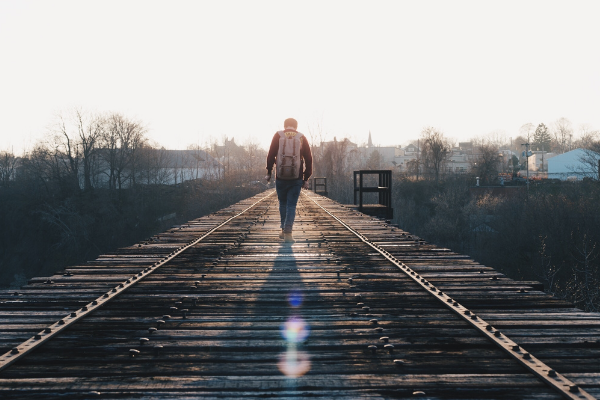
288 156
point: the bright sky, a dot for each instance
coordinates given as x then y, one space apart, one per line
191 70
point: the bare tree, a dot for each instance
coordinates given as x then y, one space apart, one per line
562 133
584 283
526 131
255 158
154 165
486 163
434 151
8 164
334 166
121 141
317 136
66 152
89 129
587 137
590 161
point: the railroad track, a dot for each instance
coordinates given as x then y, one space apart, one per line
356 308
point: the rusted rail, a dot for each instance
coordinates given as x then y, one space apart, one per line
548 375
354 309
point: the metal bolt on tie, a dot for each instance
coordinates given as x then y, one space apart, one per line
184 313
159 323
399 362
374 321
47 330
516 347
573 388
384 339
389 348
133 352
551 373
373 348
151 330
144 341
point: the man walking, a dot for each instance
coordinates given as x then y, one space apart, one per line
291 152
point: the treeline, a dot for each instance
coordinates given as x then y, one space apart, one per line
96 183
549 234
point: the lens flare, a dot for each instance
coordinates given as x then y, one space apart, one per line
293 363
295 298
295 330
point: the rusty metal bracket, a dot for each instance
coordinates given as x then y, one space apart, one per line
50 331
549 376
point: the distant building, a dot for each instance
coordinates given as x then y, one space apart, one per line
538 161
161 167
572 166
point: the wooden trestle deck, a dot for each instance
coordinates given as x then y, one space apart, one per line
337 295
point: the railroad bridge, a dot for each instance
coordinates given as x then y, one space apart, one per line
219 307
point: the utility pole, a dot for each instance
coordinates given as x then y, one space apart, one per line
418 151
527 161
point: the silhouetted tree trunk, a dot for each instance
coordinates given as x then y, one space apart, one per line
434 151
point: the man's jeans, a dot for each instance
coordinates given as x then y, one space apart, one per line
288 193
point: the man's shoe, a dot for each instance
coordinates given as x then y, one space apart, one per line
288 238
281 234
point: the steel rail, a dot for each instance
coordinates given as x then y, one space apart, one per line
548 375
50 331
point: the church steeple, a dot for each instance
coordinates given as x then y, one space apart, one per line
370 142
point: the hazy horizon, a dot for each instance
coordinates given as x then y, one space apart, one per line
194 70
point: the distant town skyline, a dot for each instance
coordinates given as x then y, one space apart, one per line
195 70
